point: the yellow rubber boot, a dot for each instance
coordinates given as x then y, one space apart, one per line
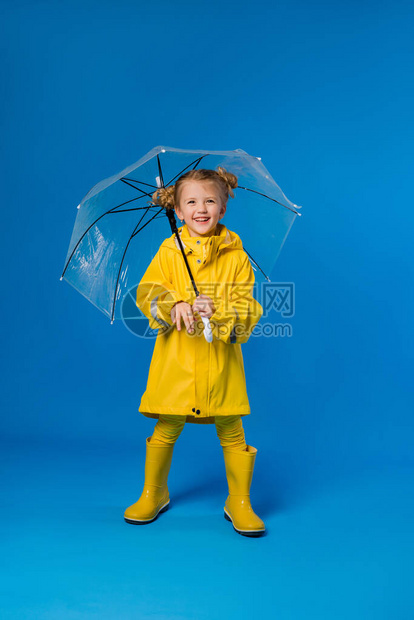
238 509
155 497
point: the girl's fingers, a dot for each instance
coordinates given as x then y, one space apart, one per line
187 318
191 320
186 312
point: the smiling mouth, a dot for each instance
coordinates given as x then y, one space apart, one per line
201 220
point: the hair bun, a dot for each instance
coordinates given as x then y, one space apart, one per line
164 196
229 179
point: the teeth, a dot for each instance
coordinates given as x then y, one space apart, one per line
204 219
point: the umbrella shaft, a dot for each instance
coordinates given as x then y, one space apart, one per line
174 229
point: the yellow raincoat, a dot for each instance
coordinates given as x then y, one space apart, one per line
187 375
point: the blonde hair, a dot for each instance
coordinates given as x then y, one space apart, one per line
168 197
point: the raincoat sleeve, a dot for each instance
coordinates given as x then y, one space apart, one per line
237 311
156 294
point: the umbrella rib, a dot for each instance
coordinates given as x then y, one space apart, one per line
157 217
135 181
250 256
110 211
146 223
133 186
273 199
135 209
127 202
197 161
123 256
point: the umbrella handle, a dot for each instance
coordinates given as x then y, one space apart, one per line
208 334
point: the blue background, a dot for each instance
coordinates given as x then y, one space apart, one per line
323 92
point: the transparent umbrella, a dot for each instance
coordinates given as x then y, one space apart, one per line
118 229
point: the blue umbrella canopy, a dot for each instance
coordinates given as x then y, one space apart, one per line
118 228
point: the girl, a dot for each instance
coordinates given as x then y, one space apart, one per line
190 379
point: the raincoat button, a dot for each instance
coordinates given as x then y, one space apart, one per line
198 260
198 241
193 409
198 411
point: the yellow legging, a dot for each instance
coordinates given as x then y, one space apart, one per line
229 430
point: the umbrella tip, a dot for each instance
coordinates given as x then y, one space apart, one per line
61 278
78 207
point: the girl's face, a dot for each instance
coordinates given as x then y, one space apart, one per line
201 207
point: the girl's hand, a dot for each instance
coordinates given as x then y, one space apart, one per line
204 305
183 310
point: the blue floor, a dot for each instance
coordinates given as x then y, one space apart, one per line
340 543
